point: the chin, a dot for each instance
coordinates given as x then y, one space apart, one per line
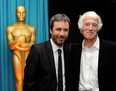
60 44
21 19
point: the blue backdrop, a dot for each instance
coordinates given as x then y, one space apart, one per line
36 16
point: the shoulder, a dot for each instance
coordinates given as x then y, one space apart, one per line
40 46
108 45
30 27
108 42
76 46
10 28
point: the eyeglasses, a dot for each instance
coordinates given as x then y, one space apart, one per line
90 24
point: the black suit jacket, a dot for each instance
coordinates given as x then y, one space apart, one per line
40 74
106 66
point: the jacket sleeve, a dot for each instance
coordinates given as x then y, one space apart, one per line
31 70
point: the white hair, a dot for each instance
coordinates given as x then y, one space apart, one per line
89 14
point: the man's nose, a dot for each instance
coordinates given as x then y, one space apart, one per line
90 26
62 32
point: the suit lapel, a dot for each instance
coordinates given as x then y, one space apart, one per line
78 56
65 60
103 59
49 52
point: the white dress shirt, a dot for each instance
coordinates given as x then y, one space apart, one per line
55 53
89 68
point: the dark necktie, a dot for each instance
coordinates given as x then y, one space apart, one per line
60 78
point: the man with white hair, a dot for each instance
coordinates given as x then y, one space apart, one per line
95 58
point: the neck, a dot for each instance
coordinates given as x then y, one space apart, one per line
20 22
89 43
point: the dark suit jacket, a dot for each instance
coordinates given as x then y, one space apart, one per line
40 74
106 66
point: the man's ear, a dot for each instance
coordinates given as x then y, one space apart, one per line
50 31
81 31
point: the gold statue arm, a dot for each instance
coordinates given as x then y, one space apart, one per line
32 40
27 45
13 43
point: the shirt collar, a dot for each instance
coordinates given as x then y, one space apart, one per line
96 44
54 46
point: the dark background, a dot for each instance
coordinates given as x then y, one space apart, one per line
73 8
